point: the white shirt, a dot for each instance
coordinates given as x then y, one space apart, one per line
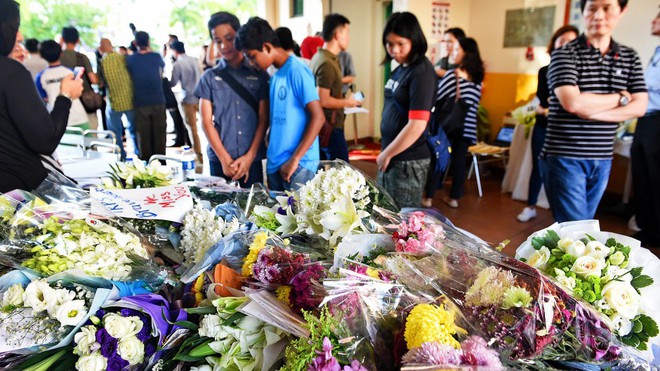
48 85
35 64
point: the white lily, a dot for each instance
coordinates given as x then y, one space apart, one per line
342 218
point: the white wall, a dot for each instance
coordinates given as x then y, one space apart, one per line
366 18
308 24
635 28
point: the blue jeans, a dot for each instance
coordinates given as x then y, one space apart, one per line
337 147
116 125
255 174
574 186
535 181
298 179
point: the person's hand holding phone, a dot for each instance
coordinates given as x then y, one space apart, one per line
71 87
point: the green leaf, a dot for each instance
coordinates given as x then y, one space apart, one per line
641 281
187 325
610 242
202 310
650 327
631 340
636 272
538 243
554 236
589 237
233 318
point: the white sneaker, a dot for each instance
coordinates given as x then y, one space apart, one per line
527 214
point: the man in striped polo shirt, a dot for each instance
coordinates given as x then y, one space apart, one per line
595 83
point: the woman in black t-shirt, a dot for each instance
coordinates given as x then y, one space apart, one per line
562 36
409 95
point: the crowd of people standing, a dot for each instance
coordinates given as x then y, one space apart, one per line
258 99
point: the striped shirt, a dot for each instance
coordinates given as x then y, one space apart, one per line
119 82
470 93
580 64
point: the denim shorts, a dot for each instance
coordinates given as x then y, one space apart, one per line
405 181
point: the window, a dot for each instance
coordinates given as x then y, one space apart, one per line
296 8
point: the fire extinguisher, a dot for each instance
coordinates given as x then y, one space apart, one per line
529 55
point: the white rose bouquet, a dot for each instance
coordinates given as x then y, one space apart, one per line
600 268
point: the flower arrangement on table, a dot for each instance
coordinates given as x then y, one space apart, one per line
136 174
601 274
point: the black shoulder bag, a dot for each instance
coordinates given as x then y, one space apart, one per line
90 99
238 88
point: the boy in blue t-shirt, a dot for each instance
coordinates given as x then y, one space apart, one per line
296 116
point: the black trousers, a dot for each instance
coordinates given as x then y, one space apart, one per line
645 165
458 171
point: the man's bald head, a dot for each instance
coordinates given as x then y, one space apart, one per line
106 45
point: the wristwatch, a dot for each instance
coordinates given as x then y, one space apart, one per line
623 100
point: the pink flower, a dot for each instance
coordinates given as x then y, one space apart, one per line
432 353
325 360
477 353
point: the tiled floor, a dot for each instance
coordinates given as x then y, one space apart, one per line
493 216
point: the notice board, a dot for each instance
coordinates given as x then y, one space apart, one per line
528 27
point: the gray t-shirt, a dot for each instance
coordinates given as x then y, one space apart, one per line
186 71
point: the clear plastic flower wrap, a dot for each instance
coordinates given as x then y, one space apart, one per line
608 271
521 313
53 230
39 314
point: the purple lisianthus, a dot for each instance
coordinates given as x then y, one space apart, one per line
145 333
109 347
125 312
100 313
149 349
102 335
116 363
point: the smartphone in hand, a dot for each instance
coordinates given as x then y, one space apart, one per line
358 96
78 72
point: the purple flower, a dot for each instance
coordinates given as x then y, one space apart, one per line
302 291
102 335
149 349
125 312
100 313
476 353
432 353
116 363
109 347
325 361
355 366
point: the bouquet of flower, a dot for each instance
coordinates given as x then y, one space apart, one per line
201 230
229 339
279 218
522 314
137 175
600 269
53 238
415 236
526 115
324 349
44 313
126 333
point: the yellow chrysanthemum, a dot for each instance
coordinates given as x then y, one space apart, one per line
256 246
283 293
373 273
428 322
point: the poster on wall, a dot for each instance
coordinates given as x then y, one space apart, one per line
528 27
439 19
574 14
